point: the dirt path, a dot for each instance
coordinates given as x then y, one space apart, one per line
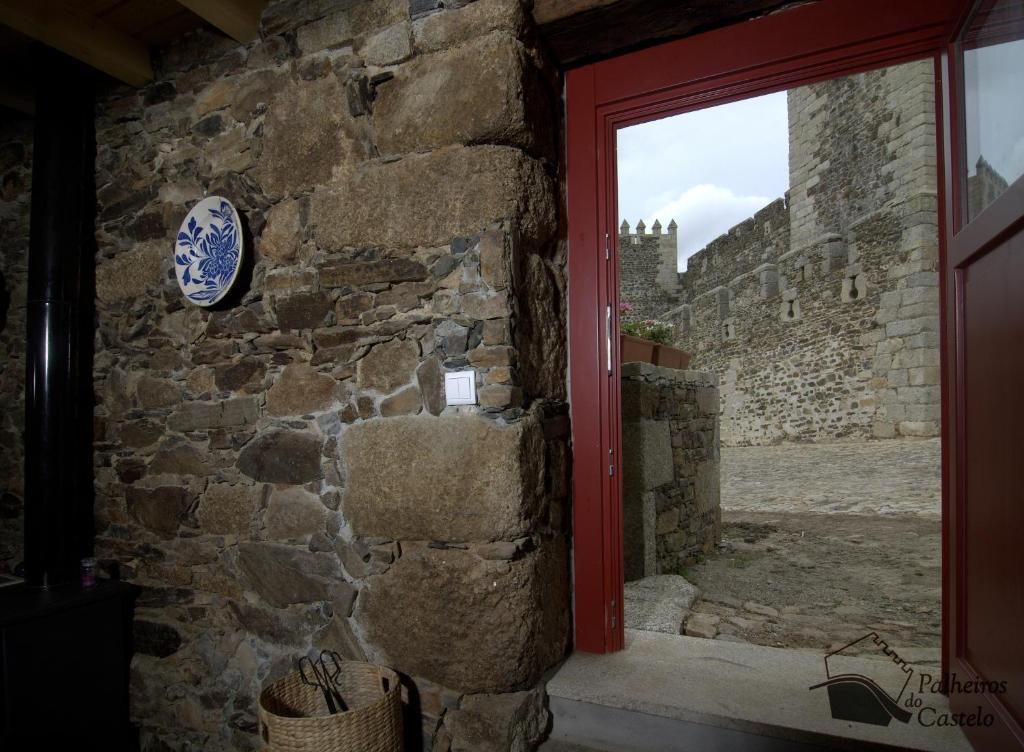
810 580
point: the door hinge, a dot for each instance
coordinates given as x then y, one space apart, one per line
611 465
607 247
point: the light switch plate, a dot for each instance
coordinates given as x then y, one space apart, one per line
460 387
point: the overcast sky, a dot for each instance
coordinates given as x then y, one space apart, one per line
708 169
995 115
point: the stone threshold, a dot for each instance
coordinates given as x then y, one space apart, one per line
672 693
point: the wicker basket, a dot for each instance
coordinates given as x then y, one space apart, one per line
295 718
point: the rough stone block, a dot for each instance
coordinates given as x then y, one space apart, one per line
244 375
157 393
179 458
159 510
356 273
667 521
481 626
647 445
195 416
446 194
294 514
137 434
489 357
471 94
702 625
282 457
308 135
388 366
441 30
405 402
283 575
302 311
498 723
300 390
479 305
430 379
451 478
333 30
282 234
388 46
226 509
500 396
919 428
925 376
129 274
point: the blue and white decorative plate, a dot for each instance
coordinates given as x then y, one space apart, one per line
208 252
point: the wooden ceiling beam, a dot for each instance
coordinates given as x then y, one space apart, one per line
81 36
239 19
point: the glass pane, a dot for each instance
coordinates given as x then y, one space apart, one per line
993 84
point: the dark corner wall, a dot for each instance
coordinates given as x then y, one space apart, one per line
15 199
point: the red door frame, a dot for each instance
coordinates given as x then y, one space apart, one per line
807 44
967 241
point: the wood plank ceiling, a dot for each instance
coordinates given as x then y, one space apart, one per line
114 36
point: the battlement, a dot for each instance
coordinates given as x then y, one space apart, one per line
641 230
754 241
645 258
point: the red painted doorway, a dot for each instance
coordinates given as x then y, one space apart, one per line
808 44
984 276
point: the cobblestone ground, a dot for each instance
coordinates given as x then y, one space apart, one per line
900 476
823 544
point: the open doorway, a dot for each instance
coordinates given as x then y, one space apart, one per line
782 473
700 682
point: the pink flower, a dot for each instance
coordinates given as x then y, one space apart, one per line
625 308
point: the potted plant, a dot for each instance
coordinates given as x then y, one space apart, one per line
647 342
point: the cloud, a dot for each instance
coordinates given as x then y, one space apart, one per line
742 146
704 212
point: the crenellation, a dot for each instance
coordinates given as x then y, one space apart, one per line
642 258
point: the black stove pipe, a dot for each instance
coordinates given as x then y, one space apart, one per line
60 324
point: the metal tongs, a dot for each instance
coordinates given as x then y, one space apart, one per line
323 674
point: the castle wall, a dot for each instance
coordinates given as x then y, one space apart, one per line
820 313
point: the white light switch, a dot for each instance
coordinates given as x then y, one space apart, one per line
460 387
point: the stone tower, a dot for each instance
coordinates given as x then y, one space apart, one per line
645 257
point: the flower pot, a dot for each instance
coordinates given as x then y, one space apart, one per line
636 350
671 357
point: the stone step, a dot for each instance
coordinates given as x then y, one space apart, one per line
672 693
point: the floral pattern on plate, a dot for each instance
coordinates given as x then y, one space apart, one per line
208 251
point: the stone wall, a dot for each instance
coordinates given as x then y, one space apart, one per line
820 313
15 198
648 280
670 468
282 474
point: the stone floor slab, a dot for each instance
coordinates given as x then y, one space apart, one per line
747 689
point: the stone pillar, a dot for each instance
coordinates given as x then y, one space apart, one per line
670 468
